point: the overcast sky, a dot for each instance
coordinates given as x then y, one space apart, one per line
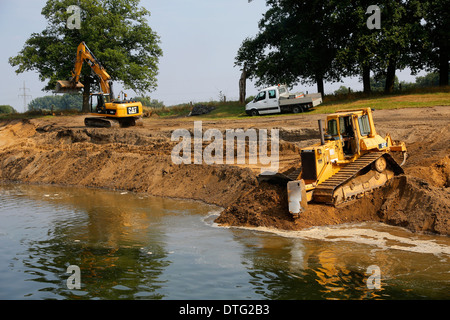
199 39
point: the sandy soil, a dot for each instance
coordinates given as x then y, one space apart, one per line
60 150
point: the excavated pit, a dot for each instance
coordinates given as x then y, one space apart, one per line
61 151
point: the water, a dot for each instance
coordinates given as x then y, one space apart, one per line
130 246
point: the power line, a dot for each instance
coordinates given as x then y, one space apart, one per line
24 95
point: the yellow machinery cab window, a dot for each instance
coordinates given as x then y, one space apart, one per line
332 128
364 126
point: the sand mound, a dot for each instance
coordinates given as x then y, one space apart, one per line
406 201
62 151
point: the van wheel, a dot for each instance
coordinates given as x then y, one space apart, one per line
297 109
254 113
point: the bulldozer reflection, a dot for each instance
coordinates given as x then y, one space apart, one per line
336 278
313 270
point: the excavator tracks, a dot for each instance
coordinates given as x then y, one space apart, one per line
325 192
103 122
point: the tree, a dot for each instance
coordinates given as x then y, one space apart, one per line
359 46
318 40
342 90
242 85
62 102
115 30
151 103
394 41
378 84
437 48
297 42
428 80
5 108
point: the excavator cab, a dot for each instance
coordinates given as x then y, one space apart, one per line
98 103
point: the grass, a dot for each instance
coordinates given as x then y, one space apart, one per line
230 109
38 114
415 98
397 101
423 97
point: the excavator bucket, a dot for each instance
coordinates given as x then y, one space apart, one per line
64 86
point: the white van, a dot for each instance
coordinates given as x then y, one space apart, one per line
277 99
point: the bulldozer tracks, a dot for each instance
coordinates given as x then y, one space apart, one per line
325 191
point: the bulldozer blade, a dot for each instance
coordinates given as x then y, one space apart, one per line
274 178
297 198
64 86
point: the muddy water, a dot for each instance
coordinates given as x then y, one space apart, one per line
129 246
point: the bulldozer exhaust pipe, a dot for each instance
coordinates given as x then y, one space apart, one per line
322 136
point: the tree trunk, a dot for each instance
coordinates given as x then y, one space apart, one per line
320 87
242 86
443 63
366 79
390 76
86 95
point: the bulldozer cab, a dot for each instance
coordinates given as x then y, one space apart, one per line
342 129
354 131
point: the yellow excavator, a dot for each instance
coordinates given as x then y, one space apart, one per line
350 160
108 112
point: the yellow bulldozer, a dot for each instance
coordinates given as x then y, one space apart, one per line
107 111
350 160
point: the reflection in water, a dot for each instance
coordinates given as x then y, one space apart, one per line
136 247
116 239
295 267
101 241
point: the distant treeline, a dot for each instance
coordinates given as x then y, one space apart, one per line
378 85
56 103
7 109
75 102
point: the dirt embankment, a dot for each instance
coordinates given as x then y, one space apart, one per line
62 151
137 160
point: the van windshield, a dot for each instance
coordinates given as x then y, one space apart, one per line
260 96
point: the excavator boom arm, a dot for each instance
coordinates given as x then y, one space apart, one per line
74 85
84 54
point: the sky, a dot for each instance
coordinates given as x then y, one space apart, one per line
199 39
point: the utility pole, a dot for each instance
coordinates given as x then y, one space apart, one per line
24 95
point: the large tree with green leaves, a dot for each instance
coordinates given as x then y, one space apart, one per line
399 39
359 45
318 40
116 31
436 50
298 42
